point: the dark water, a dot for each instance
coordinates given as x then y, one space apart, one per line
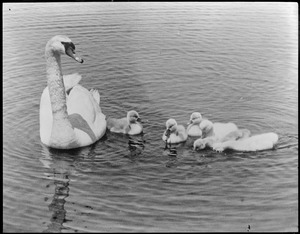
230 61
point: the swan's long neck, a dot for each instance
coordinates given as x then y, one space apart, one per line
56 86
62 134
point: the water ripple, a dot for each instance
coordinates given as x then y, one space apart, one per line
230 61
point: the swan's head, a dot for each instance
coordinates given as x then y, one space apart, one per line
199 144
195 118
62 45
206 126
133 117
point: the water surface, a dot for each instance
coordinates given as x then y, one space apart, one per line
230 61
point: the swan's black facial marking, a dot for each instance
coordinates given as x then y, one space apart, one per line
68 45
70 51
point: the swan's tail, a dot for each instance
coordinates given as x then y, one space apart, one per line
96 95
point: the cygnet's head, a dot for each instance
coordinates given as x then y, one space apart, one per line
62 45
133 117
195 118
199 144
171 124
206 126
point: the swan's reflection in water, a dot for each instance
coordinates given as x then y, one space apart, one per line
61 164
57 205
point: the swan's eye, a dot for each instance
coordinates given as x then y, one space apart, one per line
68 44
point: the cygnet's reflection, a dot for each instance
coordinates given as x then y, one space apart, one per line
136 145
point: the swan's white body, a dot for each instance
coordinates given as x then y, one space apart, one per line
129 125
254 143
174 133
70 115
193 128
217 130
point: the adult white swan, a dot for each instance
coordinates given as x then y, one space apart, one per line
70 115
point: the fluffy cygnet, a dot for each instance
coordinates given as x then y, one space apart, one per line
193 128
129 125
174 133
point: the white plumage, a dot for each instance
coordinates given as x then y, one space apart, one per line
70 115
254 143
129 125
174 133
217 130
193 128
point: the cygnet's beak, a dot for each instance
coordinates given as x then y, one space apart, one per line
72 54
168 132
139 120
188 123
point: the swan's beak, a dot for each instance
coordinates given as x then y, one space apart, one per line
72 54
188 123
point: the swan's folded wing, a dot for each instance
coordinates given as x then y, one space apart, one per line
71 80
78 122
